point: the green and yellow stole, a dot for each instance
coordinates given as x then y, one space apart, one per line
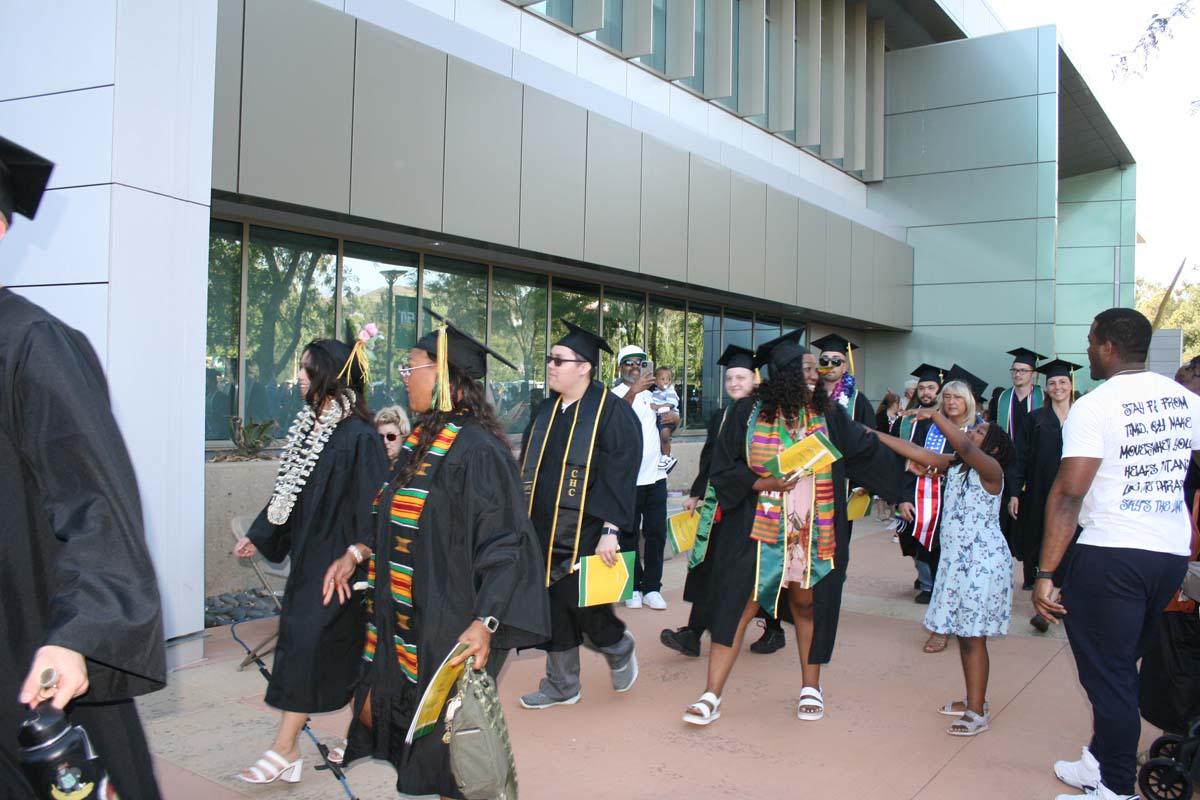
1033 401
708 513
764 441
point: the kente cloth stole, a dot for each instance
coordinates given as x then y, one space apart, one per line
404 512
927 503
708 513
764 441
1004 406
576 463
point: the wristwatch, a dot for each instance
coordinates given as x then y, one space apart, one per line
1041 573
611 531
491 623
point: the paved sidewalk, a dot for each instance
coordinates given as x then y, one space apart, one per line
881 738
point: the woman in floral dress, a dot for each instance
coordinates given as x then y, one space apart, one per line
972 598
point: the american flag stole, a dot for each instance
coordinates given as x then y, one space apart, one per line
927 505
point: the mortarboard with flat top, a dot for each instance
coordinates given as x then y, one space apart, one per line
834 343
978 385
928 372
780 351
1059 368
23 178
587 344
462 349
1023 355
737 356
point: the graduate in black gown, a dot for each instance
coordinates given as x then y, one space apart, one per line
80 594
1039 454
579 466
739 382
453 559
922 522
331 469
784 539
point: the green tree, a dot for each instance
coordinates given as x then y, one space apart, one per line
1182 309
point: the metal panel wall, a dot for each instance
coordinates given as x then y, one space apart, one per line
227 95
808 72
553 168
876 96
855 157
838 252
782 245
863 280
718 48
833 79
812 278
613 194
664 212
781 107
752 57
747 236
396 174
708 224
681 41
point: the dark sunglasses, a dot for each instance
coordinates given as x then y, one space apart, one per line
635 362
559 361
830 362
391 437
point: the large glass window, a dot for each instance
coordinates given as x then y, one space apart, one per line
578 303
765 329
291 283
665 340
519 334
458 291
379 285
224 324
624 323
739 330
704 390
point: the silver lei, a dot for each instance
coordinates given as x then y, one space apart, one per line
306 439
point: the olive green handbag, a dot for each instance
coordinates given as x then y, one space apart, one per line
480 753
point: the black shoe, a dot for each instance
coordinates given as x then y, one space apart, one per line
682 640
1027 585
1039 622
923 598
917 585
772 640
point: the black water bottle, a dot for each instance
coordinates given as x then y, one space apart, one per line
58 758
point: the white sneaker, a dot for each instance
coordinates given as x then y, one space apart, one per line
655 601
635 601
1082 774
1101 792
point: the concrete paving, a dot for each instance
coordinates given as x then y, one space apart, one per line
881 737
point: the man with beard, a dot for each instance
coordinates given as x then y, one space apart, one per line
1011 410
919 513
836 366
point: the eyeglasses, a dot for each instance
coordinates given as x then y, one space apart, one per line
391 437
406 371
635 362
830 362
558 361
1016 371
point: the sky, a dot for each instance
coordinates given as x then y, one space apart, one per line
1151 111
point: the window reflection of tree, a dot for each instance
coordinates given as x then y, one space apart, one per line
518 334
224 313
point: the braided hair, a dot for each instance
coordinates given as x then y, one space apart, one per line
786 394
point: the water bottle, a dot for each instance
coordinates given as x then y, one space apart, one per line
58 758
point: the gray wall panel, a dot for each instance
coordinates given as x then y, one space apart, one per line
483 154
296 106
227 95
812 280
664 213
613 194
837 264
963 137
782 245
747 236
553 168
397 166
862 272
708 224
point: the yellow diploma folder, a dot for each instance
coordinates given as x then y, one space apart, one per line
600 583
858 504
682 529
811 454
436 695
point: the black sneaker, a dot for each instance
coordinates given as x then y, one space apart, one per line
772 640
681 640
917 585
923 598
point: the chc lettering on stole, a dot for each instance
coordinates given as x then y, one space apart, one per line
572 484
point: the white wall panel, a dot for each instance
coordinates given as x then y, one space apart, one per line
72 129
57 46
67 243
664 210
747 237
782 245
708 224
553 168
613 203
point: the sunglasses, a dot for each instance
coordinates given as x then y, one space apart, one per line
558 361
406 371
635 362
391 437
830 362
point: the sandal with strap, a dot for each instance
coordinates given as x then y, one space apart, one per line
969 724
704 711
272 767
950 711
810 698
937 642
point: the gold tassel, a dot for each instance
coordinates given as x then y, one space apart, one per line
442 391
358 354
1071 399
850 355
757 376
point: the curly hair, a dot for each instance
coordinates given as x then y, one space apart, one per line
470 398
786 393
997 444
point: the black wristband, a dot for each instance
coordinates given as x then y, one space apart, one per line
1041 573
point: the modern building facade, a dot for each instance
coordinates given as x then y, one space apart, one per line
238 177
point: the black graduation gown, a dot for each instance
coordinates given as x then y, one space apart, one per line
864 460
475 555
1038 457
73 560
1018 430
909 546
317 656
696 586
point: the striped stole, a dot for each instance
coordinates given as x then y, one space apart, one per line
927 505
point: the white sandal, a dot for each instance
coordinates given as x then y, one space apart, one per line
814 700
272 767
949 710
969 724
704 711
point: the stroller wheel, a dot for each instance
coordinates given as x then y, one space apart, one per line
1166 746
1164 779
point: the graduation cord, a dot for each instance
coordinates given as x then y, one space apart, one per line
334 769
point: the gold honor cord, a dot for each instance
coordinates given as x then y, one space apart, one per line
541 452
558 496
586 470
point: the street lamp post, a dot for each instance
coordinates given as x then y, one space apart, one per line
390 275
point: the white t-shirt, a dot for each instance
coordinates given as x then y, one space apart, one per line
649 472
1144 427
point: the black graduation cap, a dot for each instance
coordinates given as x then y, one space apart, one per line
23 178
1058 368
928 372
462 349
1023 355
780 351
737 356
834 343
977 384
587 344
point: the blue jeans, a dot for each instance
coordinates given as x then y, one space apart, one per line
924 574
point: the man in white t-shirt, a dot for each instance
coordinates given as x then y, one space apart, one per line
1126 450
650 515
